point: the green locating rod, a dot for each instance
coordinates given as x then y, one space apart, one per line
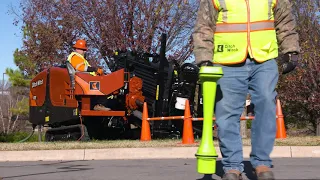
206 154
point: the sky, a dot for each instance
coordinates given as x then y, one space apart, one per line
10 35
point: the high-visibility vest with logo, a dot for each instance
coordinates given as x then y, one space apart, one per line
244 26
85 62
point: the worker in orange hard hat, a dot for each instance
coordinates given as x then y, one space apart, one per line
81 44
79 63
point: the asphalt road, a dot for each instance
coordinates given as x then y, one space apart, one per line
173 169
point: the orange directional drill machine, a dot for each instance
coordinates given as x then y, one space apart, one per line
61 98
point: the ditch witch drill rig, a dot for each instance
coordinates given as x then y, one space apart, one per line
61 98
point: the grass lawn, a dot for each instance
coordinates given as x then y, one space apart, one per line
289 141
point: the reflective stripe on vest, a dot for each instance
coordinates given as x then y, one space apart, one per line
244 26
85 62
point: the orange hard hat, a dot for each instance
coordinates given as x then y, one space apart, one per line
81 44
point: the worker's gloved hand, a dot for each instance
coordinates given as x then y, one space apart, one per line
205 63
100 71
290 62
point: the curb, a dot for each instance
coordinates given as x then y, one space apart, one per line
145 153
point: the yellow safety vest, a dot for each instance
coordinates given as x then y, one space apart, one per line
85 62
244 26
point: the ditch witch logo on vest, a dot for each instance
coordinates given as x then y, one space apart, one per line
227 48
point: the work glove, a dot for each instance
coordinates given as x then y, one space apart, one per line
100 71
290 62
205 63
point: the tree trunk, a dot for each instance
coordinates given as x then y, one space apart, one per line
318 128
9 119
2 119
14 123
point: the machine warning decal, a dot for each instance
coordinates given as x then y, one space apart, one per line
37 83
94 85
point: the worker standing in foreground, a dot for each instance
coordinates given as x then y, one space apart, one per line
79 63
242 37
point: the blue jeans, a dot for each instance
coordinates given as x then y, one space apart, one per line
260 80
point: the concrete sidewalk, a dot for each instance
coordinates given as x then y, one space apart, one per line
144 153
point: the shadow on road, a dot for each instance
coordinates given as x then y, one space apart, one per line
66 168
219 172
42 164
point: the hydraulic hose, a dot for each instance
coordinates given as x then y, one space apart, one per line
25 139
139 103
137 114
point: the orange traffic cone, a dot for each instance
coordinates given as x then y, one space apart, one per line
145 129
187 136
281 129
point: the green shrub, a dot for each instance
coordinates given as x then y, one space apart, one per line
18 136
